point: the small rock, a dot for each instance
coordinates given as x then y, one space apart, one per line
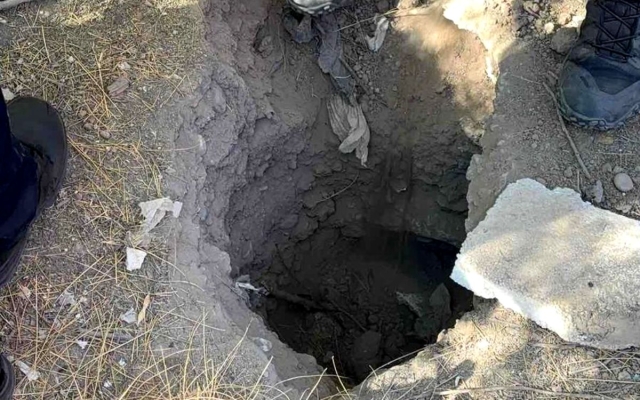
549 28
564 18
266 46
542 181
607 168
623 182
568 172
563 40
71 59
124 66
441 88
617 169
406 4
118 88
105 134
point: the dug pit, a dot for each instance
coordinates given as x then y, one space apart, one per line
350 263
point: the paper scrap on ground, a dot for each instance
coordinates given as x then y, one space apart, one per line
30 373
129 317
153 212
382 26
135 258
350 125
566 264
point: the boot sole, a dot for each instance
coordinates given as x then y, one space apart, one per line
583 121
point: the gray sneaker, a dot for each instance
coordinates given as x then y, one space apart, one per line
599 85
317 7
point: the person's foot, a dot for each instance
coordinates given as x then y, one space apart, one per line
599 85
316 7
39 129
7 379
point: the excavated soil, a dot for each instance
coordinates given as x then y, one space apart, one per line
351 262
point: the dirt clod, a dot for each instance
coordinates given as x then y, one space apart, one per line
563 40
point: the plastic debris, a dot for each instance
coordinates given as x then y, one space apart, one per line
243 283
7 94
67 299
382 26
264 344
135 258
82 344
129 317
350 125
30 373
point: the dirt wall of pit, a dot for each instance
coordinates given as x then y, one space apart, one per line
256 162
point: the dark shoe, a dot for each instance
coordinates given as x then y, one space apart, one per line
599 85
7 379
316 7
39 128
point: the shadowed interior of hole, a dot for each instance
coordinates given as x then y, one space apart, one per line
360 304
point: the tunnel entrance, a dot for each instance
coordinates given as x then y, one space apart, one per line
344 261
358 304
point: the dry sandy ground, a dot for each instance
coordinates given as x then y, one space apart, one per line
61 315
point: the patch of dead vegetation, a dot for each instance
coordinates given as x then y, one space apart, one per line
62 314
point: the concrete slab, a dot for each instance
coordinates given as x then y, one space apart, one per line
569 266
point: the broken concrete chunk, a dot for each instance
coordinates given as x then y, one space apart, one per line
562 262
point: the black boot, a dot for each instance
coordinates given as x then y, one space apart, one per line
39 130
600 83
7 379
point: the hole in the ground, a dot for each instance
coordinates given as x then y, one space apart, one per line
358 304
356 259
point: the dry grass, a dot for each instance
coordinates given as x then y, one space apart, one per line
68 53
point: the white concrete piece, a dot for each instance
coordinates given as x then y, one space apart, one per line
569 266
